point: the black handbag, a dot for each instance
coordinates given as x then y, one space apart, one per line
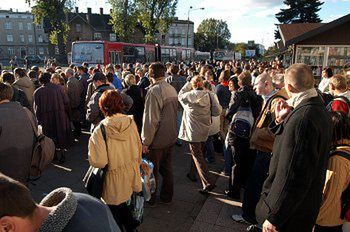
94 177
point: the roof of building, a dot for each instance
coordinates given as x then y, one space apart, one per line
295 33
100 22
291 31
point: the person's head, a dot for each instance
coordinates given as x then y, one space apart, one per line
8 78
298 78
125 73
228 67
44 78
19 72
130 80
109 69
224 76
139 72
233 84
341 127
6 93
17 206
117 67
157 71
207 85
32 74
111 103
204 70
197 82
85 64
263 85
72 66
245 79
99 79
35 68
327 72
337 84
56 79
174 69
109 78
209 76
278 80
91 71
237 71
69 73
81 70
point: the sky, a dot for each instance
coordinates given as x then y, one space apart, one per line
246 19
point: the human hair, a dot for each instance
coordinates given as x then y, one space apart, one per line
245 79
70 71
111 103
20 72
339 82
157 70
44 77
125 73
224 75
207 85
174 69
129 80
8 78
341 126
110 77
85 64
197 82
32 74
6 92
71 66
300 77
203 70
237 71
277 79
15 198
264 77
328 71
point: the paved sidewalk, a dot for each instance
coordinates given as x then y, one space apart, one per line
190 211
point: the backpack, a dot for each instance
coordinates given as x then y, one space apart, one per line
339 98
43 152
345 198
242 121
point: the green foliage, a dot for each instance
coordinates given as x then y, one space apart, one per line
241 47
211 34
123 18
155 15
299 11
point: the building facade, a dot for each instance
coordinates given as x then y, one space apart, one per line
20 37
180 33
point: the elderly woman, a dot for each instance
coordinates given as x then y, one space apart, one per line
199 105
121 153
134 91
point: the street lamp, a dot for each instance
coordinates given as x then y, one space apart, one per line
188 20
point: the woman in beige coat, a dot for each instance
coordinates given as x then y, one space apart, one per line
122 155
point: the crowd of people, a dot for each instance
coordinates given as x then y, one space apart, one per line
285 140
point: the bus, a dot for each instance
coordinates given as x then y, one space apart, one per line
104 53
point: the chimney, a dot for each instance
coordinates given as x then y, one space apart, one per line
89 10
101 11
88 14
110 11
76 9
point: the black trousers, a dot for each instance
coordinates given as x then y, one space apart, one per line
123 217
243 160
254 185
328 229
77 128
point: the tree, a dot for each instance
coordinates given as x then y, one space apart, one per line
123 18
299 11
54 12
155 16
241 47
211 34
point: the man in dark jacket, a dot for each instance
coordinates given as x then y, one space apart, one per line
292 192
61 211
94 114
16 137
18 95
243 157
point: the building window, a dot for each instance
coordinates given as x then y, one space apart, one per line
40 39
31 51
8 25
20 26
30 38
11 50
183 43
39 27
97 36
29 26
78 27
41 51
171 41
57 50
113 37
9 38
21 38
183 32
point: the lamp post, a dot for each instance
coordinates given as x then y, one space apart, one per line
188 20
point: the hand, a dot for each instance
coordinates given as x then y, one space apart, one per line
145 149
268 227
282 109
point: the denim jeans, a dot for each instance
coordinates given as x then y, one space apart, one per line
209 149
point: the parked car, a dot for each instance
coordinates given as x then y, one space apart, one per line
34 59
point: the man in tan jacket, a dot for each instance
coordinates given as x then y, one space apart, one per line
262 141
159 129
